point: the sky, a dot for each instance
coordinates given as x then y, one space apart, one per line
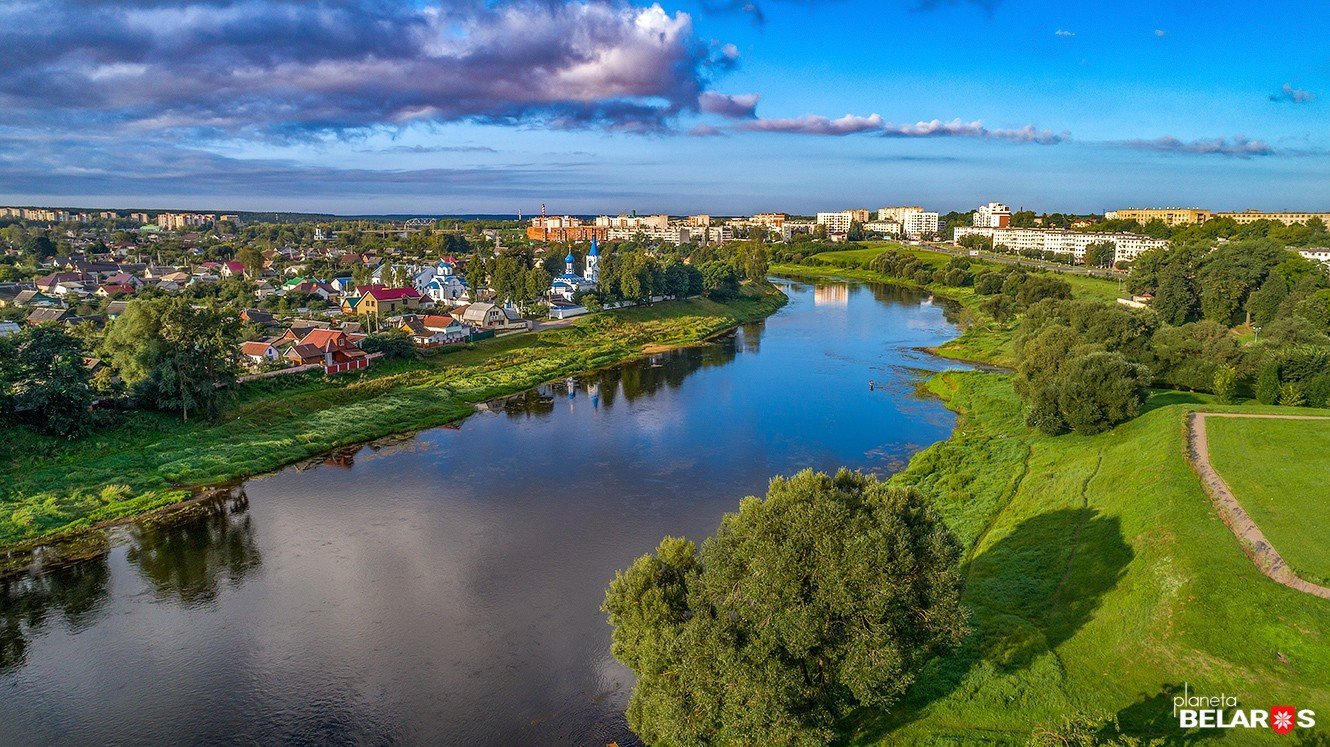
608 106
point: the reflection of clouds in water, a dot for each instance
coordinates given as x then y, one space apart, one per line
446 588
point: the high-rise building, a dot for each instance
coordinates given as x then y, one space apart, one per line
992 215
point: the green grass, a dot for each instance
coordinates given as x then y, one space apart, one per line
1278 470
1101 579
149 460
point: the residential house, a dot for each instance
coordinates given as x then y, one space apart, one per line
46 315
8 328
232 269
34 298
492 316
259 353
380 301
257 316
333 349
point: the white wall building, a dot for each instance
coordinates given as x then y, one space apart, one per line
677 234
992 215
898 213
1317 254
1127 246
888 227
918 224
837 222
633 221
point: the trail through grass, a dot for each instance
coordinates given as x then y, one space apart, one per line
1101 579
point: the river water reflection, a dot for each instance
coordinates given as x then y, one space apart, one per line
445 588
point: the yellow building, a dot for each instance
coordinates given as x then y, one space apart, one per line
1288 219
1170 216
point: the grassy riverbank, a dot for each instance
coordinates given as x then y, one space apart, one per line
983 339
1101 579
150 460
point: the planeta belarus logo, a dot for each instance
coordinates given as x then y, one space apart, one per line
1223 711
1283 718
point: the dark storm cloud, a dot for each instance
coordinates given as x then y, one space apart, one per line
298 67
37 165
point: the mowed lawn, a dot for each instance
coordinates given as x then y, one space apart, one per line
1101 580
1279 471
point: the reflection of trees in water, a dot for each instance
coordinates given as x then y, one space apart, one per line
897 294
27 604
633 381
186 560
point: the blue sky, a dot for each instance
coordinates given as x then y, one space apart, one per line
726 106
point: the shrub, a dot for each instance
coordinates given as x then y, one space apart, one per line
1226 384
1290 395
1267 384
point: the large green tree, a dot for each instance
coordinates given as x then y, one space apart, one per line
43 380
827 596
174 356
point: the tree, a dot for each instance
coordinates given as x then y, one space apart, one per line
1101 254
393 343
43 380
755 260
828 595
719 280
1099 390
250 256
174 356
1175 301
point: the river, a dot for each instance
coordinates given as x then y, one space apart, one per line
445 588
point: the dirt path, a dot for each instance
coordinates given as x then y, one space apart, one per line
1253 541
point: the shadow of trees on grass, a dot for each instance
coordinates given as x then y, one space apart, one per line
1030 591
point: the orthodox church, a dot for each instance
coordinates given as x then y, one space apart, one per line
565 285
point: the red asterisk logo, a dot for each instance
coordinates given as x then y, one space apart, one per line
1281 719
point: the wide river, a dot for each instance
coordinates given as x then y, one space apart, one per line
445 588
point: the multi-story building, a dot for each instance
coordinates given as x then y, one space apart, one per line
1288 219
898 213
1169 216
1317 254
719 234
791 227
633 221
838 222
769 220
992 215
1127 246
702 221
888 227
180 221
670 234
919 224
140 218
564 228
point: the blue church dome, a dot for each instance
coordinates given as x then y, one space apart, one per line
595 249
569 258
